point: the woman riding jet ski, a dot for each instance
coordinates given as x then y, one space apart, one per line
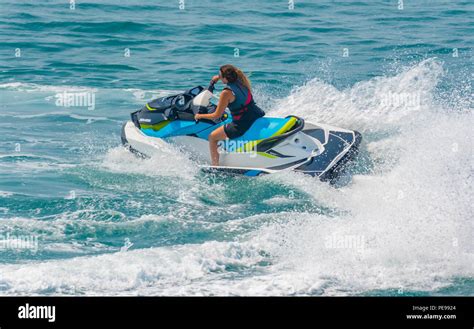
249 143
237 96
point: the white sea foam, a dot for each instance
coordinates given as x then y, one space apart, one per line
167 162
366 106
5 194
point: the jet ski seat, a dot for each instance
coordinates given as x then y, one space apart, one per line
266 127
263 128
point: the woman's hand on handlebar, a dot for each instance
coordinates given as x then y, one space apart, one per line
212 83
215 79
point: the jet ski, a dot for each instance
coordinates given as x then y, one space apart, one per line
270 145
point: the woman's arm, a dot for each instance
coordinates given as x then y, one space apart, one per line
225 98
212 83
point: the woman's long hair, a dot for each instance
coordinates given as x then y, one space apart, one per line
232 74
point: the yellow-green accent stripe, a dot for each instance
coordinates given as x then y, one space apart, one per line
266 155
251 145
149 107
157 126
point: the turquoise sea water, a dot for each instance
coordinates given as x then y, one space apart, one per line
101 221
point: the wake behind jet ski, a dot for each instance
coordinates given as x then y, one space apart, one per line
270 145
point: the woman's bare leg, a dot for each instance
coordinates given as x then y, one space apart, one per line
214 137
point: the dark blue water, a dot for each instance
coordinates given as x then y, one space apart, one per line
80 215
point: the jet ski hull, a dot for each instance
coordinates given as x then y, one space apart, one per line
270 145
336 147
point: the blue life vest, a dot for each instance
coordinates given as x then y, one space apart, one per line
243 100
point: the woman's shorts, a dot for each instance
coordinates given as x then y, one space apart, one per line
239 127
